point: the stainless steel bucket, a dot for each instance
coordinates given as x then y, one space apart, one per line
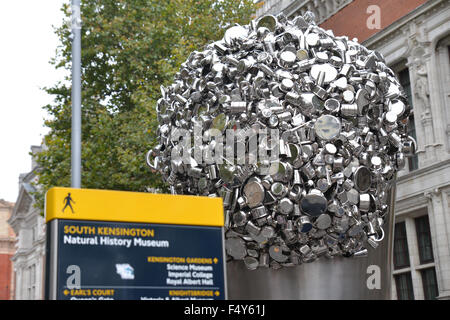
363 278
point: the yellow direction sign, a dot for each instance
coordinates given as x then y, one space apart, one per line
107 205
104 245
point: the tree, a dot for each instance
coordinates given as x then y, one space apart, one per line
129 49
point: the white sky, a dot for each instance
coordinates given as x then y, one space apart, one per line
27 43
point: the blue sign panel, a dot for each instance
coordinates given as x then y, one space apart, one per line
138 261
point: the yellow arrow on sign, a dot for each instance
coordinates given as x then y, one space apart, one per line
66 292
216 260
217 293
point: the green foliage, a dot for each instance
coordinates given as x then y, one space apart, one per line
129 49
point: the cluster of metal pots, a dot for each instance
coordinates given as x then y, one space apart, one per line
340 118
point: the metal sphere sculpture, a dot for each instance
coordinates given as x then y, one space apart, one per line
299 131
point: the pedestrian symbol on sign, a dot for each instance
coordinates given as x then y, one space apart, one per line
67 200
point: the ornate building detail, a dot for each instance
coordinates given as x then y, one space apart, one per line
323 9
422 91
28 224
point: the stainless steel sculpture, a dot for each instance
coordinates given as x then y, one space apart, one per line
318 185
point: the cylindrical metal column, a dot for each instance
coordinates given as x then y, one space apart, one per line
365 278
76 95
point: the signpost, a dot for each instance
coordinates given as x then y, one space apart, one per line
76 95
135 246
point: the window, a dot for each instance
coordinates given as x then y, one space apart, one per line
418 273
430 289
401 254
424 239
403 75
24 292
403 283
33 281
31 285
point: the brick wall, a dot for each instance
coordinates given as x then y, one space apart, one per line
5 276
7 250
352 19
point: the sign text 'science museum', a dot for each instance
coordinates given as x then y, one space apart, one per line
105 244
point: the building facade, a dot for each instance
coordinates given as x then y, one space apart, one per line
414 38
7 249
29 226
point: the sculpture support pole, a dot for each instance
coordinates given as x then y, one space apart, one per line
365 278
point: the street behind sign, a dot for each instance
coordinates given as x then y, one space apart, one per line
93 256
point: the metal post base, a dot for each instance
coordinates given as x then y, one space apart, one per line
363 278
338 278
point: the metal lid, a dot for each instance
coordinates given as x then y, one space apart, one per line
287 58
251 263
332 104
397 107
235 247
376 161
390 117
267 232
287 84
323 221
348 96
330 148
254 192
327 69
302 54
266 113
362 179
321 56
323 184
277 254
312 39
314 204
327 127
285 206
278 189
